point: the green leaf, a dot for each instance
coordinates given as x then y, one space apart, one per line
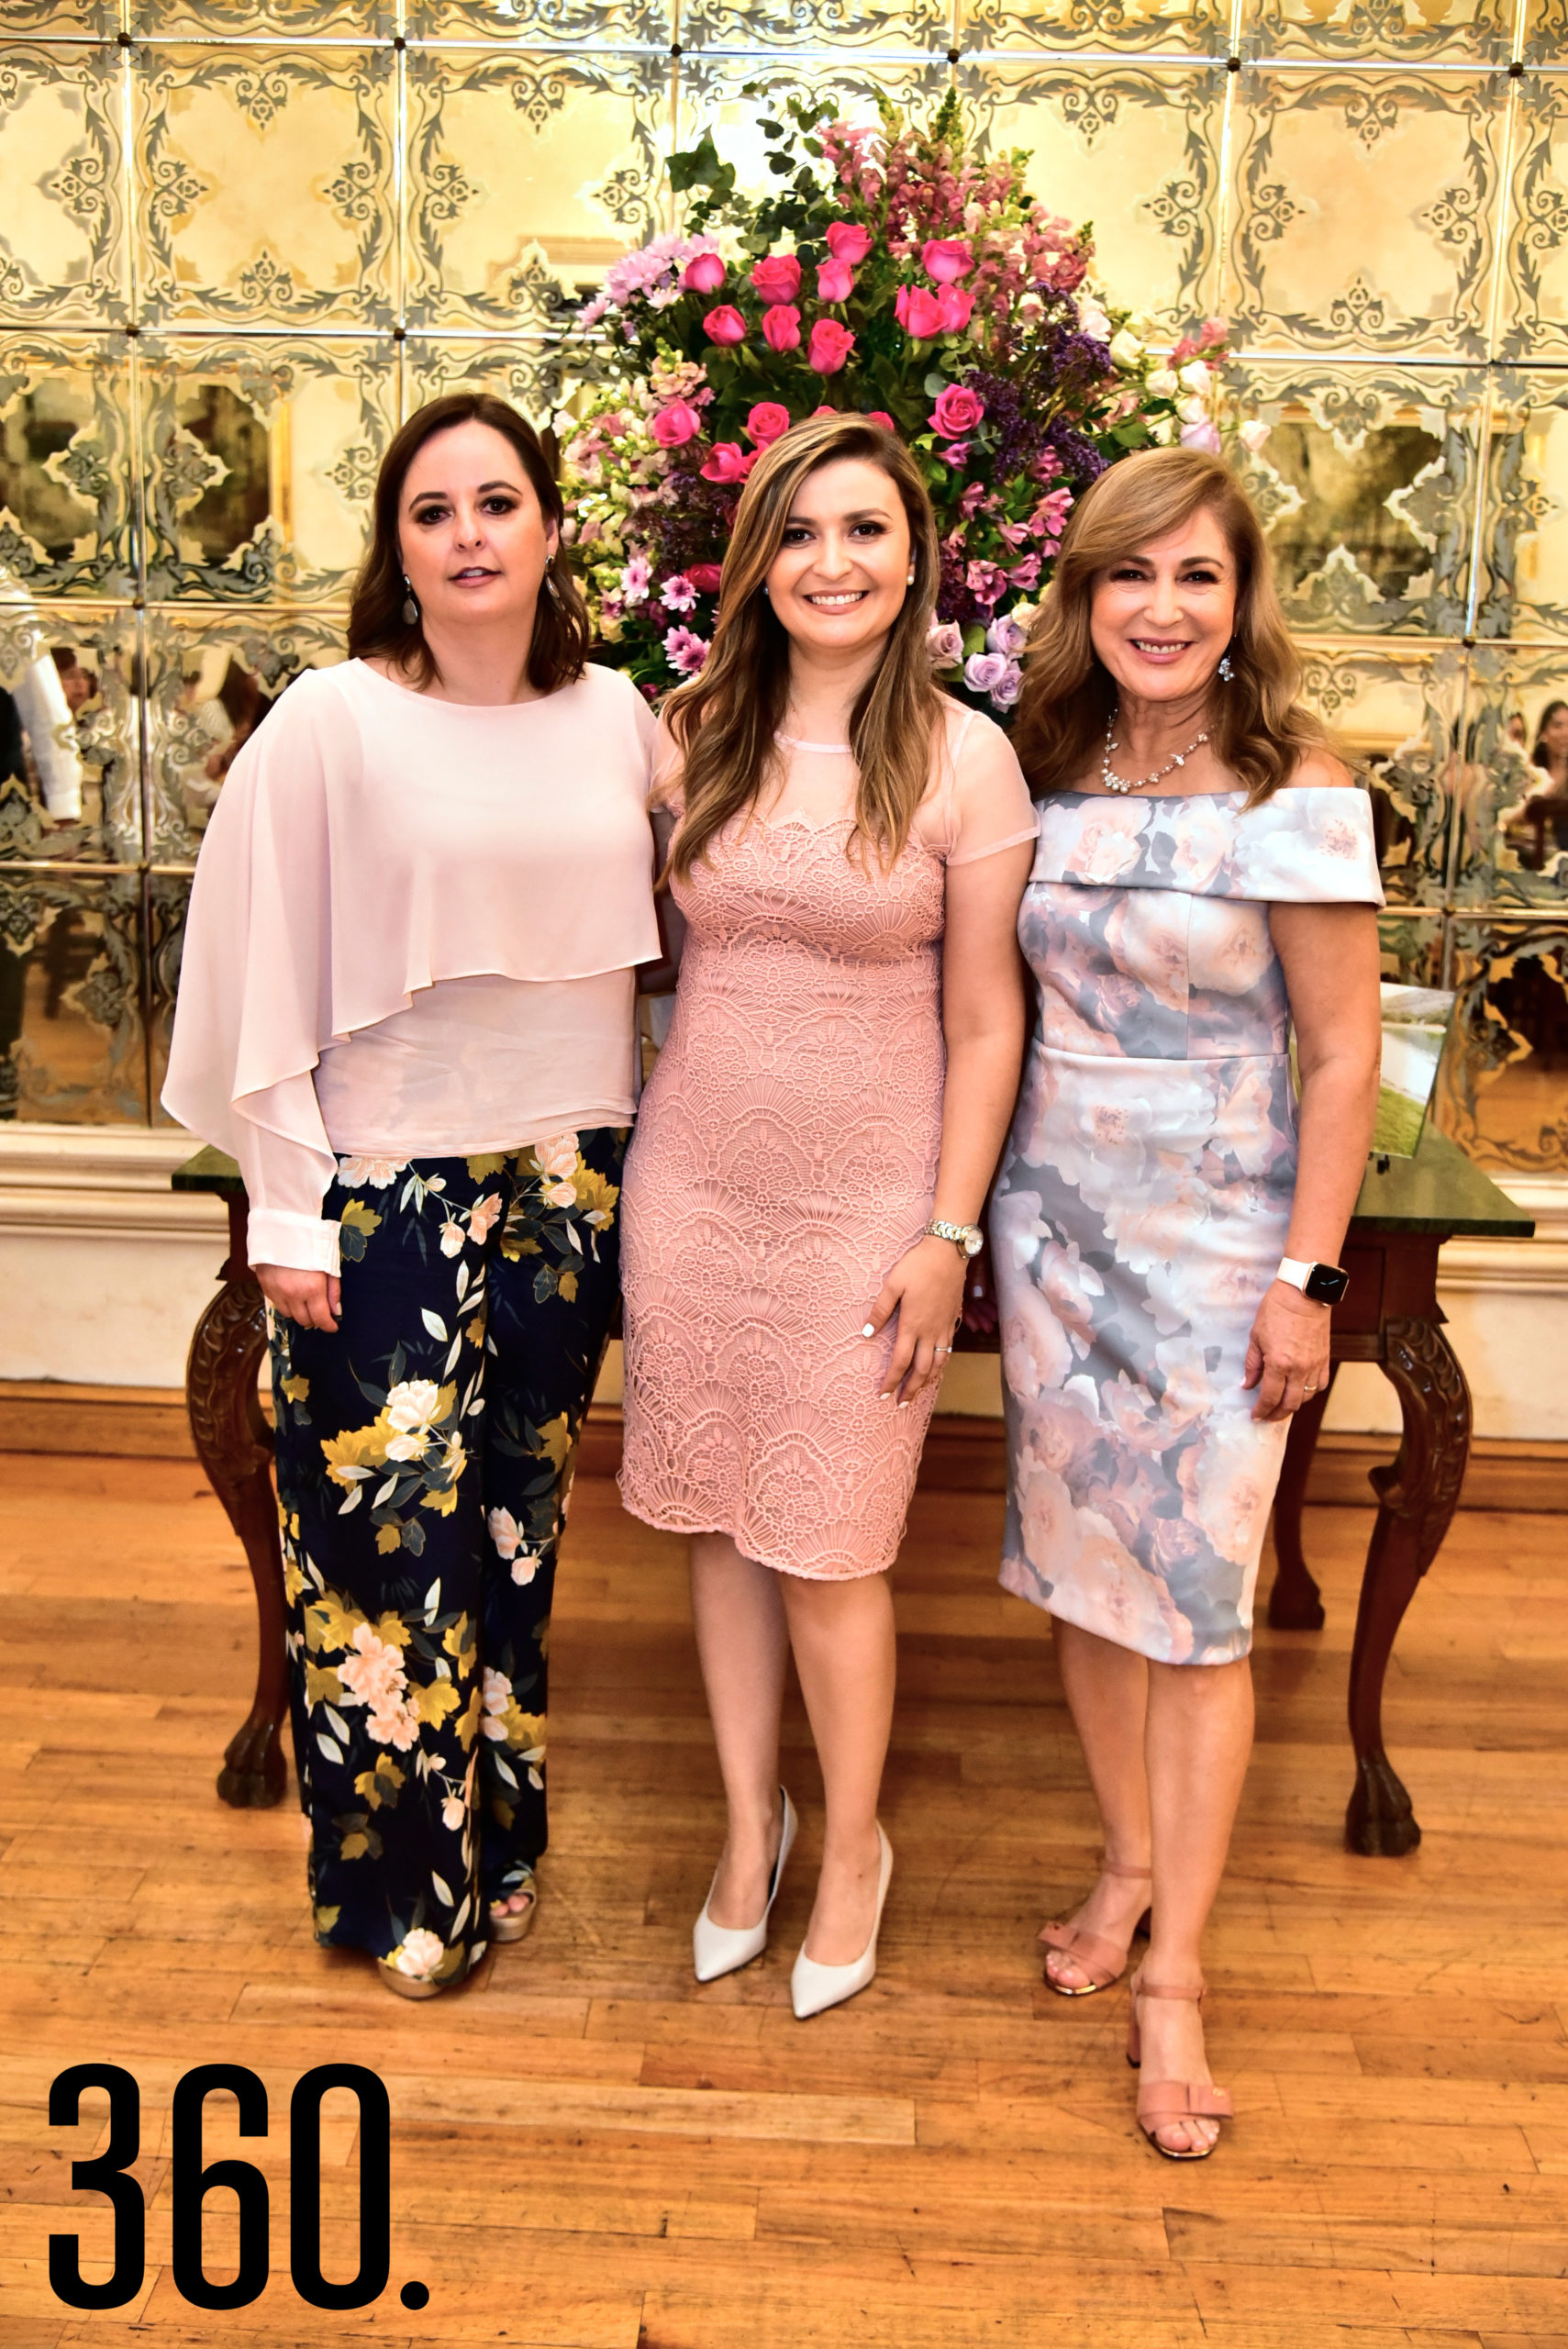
936 383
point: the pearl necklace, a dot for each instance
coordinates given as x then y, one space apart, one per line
1114 782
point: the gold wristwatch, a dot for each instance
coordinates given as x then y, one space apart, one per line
967 1238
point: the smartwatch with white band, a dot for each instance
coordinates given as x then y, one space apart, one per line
1325 1284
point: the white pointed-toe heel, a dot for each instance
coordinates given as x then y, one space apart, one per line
813 1988
722 1949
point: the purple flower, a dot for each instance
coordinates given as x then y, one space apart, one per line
684 652
1008 687
1005 636
944 642
983 672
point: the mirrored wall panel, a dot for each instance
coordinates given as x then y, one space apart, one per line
243 240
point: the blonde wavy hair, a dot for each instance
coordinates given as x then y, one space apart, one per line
1258 727
726 720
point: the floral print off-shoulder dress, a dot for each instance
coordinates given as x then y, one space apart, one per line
1144 1199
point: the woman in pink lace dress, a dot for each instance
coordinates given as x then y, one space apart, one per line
849 853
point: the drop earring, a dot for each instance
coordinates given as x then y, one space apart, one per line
550 588
411 604
909 581
1225 672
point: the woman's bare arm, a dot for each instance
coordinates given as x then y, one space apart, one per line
983 1026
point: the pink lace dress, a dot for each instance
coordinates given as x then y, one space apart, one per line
786 1157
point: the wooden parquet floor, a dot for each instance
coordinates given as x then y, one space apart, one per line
591 2153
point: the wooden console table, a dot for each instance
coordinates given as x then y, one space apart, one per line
234 1445
1389 1315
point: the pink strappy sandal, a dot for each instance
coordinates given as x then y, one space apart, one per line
1161 2101
1103 1960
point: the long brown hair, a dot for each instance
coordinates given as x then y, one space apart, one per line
726 719
1258 727
559 648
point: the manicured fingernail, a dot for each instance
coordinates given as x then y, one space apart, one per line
869 1331
904 1406
885 1398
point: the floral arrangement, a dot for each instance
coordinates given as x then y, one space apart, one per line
896 275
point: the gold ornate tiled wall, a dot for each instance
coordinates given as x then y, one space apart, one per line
241 238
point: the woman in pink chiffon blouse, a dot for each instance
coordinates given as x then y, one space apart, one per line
406 1009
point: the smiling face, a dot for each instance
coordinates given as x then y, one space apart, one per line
1161 618
473 537
839 579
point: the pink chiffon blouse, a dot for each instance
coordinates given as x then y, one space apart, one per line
413 933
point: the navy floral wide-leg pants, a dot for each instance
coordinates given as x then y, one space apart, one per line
425 1454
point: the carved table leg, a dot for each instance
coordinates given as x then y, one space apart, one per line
1418 1495
1295 1604
234 1445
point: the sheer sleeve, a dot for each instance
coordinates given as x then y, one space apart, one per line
989 805
255 980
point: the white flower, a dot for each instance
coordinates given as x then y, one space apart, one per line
419 1954
451 1237
1193 411
1125 349
1163 383
376 1172
505 1532
453 1814
1196 377
410 1408
1253 434
1093 321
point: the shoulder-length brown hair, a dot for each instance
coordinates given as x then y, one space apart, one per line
726 719
1257 726
558 649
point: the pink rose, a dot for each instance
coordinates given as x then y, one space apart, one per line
880 415
829 346
957 411
835 280
675 425
704 576
954 308
918 313
846 241
703 274
725 325
1201 436
777 279
827 408
943 259
767 421
781 327
728 462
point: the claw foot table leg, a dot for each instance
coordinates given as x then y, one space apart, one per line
235 1447
1418 1495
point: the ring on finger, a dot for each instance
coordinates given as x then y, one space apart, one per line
1310 1386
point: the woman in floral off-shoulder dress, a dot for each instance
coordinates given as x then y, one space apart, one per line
1167 1219
815 1143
